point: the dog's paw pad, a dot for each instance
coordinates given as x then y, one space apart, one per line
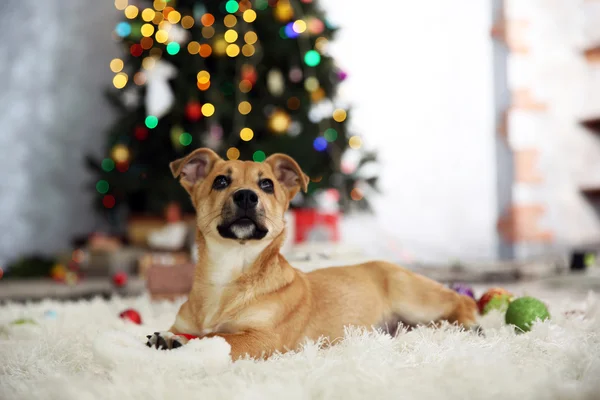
165 341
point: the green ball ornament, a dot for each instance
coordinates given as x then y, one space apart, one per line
524 311
498 302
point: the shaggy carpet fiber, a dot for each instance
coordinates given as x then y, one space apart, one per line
82 350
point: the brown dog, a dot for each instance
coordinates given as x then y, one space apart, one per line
246 292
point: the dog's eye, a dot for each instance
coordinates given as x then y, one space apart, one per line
221 182
266 185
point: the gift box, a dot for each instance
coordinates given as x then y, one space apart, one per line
313 225
166 259
169 282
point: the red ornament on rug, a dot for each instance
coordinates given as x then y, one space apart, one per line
489 295
193 111
120 279
131 315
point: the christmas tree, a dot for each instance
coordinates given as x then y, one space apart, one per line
245 78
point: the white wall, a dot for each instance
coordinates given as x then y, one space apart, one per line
420 81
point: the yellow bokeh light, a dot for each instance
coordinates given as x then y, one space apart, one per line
159 5
339 115
244 108
147 30
158 18
162 36
317 95
121 4
279 121
203 86
246 134
299 26
208 109
131 12
231 36
245 86
208 32
283 11
187 22
321 44
355 142
205 50
174 17
120 153
233 50
148 63
203 77
148 14
116 65
230 20
250 37
356 194
249 15
233 153
311 84
248 50
120 80
193 47
139 78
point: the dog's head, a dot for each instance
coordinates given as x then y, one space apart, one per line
239 200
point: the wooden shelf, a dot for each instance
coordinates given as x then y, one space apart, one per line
592 124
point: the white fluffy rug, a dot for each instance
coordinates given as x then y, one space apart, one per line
87 352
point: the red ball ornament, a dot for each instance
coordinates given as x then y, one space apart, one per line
193 111
489 295
120 279
131 315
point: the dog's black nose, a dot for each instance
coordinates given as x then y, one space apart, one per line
245 199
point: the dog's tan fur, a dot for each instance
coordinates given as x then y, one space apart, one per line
247 293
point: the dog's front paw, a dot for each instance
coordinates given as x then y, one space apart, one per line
165 340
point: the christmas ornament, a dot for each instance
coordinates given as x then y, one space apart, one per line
275 82
71 278
50 314
159 96
499 302
279 121
176 132
193 111
119 279
457 287
524 311
58 272
487 296
131 315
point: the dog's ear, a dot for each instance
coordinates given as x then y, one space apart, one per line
194 167
288 173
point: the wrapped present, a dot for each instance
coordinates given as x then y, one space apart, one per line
158 258
169 282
